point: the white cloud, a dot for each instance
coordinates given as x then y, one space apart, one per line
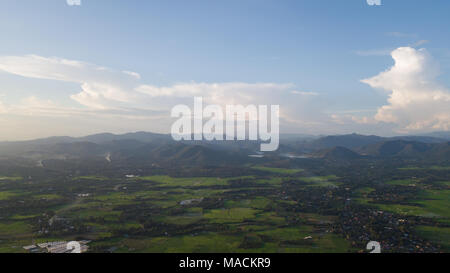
101 87
374 2
133 74
73 2
218 93
416 101
118 101
303 93
120 95
106 89
344 119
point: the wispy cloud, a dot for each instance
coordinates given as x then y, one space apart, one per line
420 43
401 34
374 52
303 93
373 2
104 91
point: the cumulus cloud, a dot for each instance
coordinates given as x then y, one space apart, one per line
107 93
106 89
416 101
101 88
219 93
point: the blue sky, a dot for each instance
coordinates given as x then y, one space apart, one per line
321 48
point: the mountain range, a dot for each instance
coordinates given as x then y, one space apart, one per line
151 148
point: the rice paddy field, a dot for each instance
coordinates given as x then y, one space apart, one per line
272 211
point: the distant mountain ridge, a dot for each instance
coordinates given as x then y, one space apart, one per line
396 148
337 153
402 148
346 141
160 148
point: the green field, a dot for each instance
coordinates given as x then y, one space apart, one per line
10 178
404 182
164 180
321 181
277 170
438 235
434 168
249 213
4 195
431 203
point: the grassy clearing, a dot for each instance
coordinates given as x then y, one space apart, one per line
91 177
23 217
274 181
403 182
186 182
437 202
406 210
14 228
115 198
204 243
364 191
186 219
433 168
440 168
233 215
313 218
107 214
48 196
277 170
10 178
432 203
5 195
291 233
270 219
437 235
362 195
257 203
321 181
292 240
278 240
